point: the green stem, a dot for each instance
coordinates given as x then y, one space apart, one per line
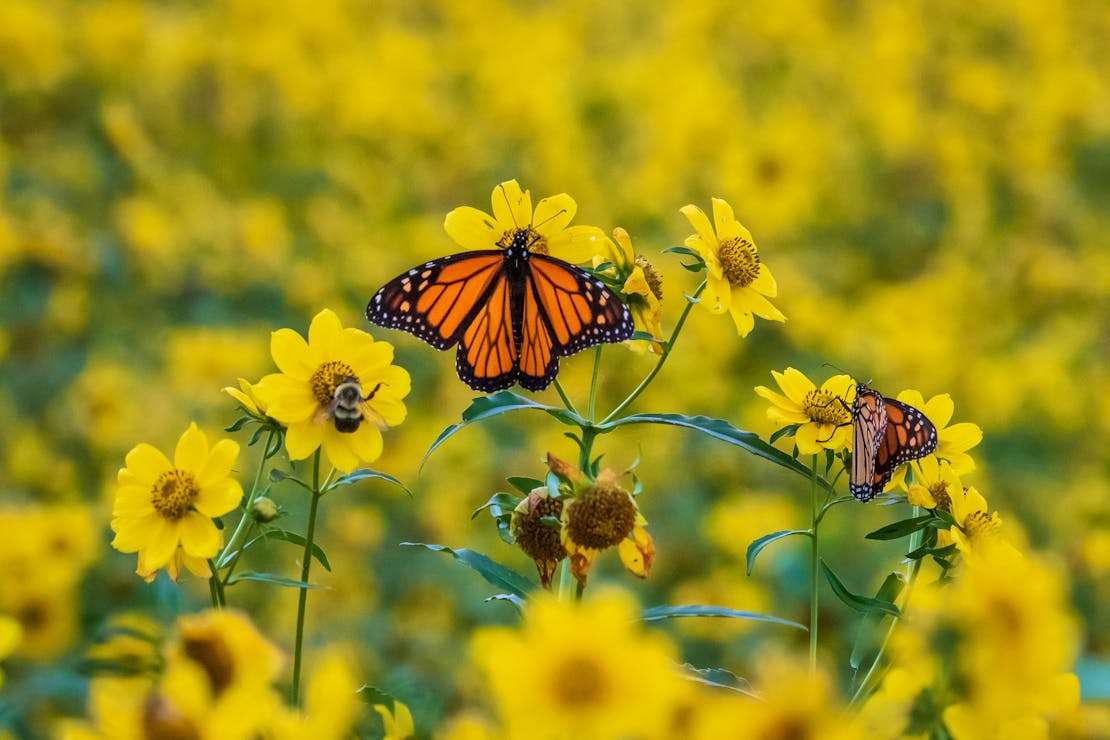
566 399
306 564
914 567
214 587
230 567
815 520
667 348
246 520
591 406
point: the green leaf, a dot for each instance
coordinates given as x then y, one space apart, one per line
296 539
495 573
722 430
780 433
525 485
936 552
513 599
501 506
501 402
373 695
682 250
863 604
658 613
646 336
898 530
757 545
867 639
239 423
250 575
367 474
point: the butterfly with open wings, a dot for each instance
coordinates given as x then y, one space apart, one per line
512 310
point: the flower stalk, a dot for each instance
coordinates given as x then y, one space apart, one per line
306 566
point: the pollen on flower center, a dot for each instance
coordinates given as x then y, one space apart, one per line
327 377
980 525
578 682
524 239
939 490
602 518
652 276
173 493
826 408
739 261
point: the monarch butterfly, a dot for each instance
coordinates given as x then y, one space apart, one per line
513 312
886 433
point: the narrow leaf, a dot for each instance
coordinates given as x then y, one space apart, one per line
780 433
368 474
757 545
495 573
658 613
501 402
296 539
719 678
250 575
373 695
722 430
513 599
863 604
524 485
898 530
867 639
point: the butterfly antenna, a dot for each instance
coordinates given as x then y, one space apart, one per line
510 205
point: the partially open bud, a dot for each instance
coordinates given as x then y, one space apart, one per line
264 510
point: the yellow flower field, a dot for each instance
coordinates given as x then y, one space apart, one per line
507 370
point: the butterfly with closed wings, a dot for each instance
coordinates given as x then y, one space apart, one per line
513 311
886 433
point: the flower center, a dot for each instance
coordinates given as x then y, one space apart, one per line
601 518
327 378
939 490
826 408
739 261
578 682
214 656
523 239
980 525
173 493
654 279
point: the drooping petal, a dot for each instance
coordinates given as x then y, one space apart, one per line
324 336
220 460
742 318
290 353
760 306
554 214
199 536
303 438
717 296
512 207
578 244
472 229
192 450
145 463
700 222
218 498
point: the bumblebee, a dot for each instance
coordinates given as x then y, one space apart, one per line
349 408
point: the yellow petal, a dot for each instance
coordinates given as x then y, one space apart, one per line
365 442
132 502
512 207
197 566
163 539
390 408
700 222
472 229
579 244
806 438
743 319
723 218
303 438
337 447
192 450
290 353
764 282
144 464
220 460
199 536
324 335
132 534
717 296
216 499
369 359
554 214
287 399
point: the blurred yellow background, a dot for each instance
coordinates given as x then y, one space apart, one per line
929 181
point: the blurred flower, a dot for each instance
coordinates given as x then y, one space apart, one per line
579 670
977 527
164 510
10 632
737 281
641 285
338 391
398 723
547 231
331 704
823 416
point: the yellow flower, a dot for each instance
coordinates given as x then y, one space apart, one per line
547 229
737 281
246 394
642 289
934 485
10 632
398 723
331 704
579 670
977 527
338 391
823 415
164 510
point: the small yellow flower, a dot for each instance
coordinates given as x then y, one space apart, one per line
547 228
247 396
738 281
935 485
164 510
641 287
338 391
10 632
579 670
823 415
